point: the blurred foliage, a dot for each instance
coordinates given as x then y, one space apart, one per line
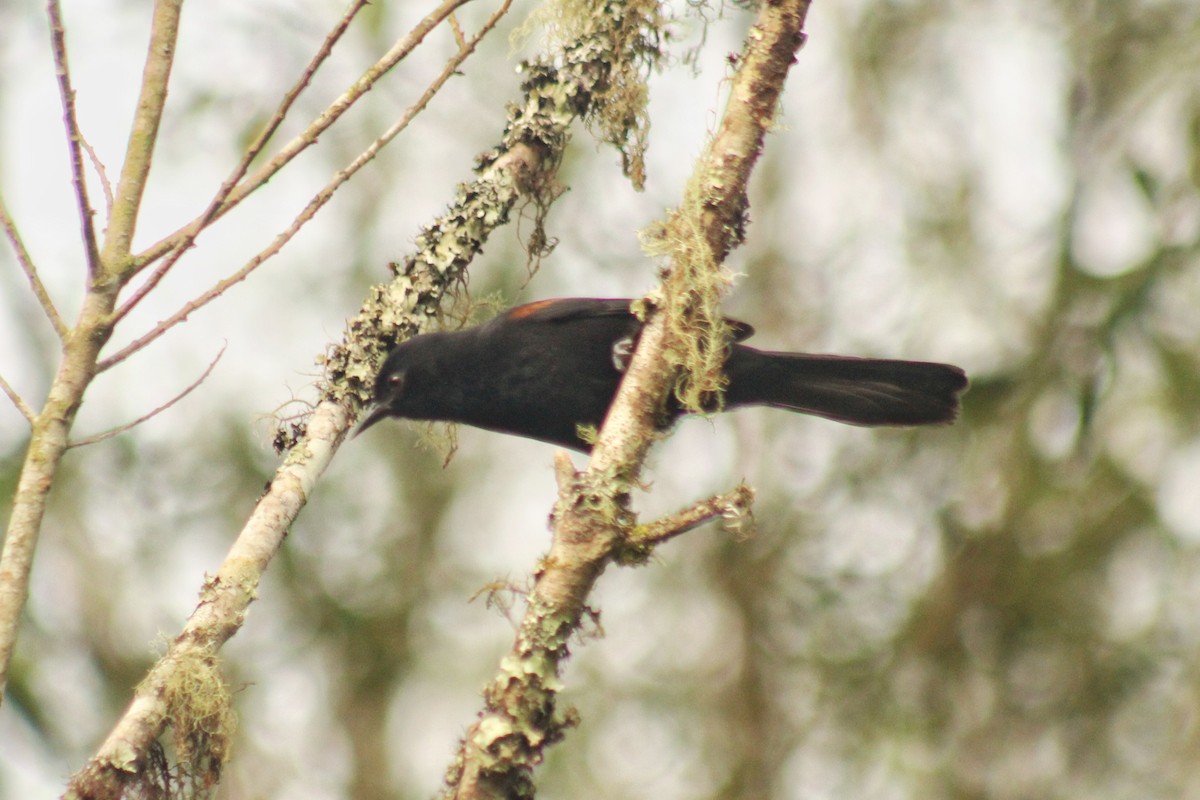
998 609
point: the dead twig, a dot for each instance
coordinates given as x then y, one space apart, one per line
101 173
733 507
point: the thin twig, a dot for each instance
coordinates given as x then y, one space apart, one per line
31 272
58 43
293 148
21 405
239 171
100 437
101 173
732 506
459 38
315 204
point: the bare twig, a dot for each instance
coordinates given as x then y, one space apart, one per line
239 171
31 273
315 204
732 506
58 43
330 115
101 173
17 400
100 437
459 38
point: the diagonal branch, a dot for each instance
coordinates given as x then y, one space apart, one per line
66 93
733 507
218 202
313 206
592 517
31 272
399 51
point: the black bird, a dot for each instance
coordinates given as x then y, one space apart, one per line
542 369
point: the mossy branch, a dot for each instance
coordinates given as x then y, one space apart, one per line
593 520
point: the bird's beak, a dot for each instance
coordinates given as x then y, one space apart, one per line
380 412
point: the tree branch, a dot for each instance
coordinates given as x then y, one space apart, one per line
58 43
592 517
399 51
17 401
31 272
221 611
523 163
256 147
314 205
82 345
732 506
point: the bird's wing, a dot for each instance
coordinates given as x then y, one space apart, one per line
569 308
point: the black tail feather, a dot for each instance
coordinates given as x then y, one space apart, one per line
858 391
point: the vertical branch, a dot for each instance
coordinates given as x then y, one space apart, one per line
139 152
592 516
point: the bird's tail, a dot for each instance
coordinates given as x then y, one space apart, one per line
858 391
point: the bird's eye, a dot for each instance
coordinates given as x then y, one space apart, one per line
396 380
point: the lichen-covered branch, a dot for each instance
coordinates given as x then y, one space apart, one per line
593 518
164 695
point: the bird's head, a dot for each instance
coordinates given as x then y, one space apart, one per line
410 365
